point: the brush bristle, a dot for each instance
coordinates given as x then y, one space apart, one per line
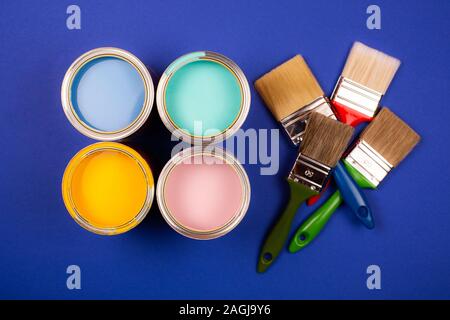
288 88
325 139
370 67
390 136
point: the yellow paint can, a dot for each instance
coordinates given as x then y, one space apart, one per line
108 188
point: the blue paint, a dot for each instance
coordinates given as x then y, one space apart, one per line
108 94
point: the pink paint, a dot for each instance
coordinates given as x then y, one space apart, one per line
203 195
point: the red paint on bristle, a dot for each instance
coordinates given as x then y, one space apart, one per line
348 116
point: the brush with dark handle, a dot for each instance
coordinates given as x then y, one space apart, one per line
279 234
324 143
353 196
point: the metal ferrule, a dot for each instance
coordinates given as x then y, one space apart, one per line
369 162
356 96
295 124
310 173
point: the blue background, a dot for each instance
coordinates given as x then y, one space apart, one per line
38 239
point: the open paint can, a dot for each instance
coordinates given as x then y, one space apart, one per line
203 97
108 188
202 193
107 94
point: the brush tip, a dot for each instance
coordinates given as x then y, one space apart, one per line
288 87
390 136
325 139
370 67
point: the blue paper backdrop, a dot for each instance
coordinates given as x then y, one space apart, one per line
38 239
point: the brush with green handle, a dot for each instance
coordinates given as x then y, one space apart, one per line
324 142
382 146
309 230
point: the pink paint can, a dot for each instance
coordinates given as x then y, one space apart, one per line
203 193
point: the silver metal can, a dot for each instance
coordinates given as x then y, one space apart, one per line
187 156
171 70
85 128
86 216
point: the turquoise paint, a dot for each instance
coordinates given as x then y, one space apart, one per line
184 59
203 92
108 94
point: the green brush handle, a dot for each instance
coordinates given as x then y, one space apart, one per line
358 177
279 234
311 228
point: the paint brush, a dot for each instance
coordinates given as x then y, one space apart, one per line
292 93
366 76
323 145
356 97
385 142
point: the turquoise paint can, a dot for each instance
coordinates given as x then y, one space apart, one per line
107 94
203 97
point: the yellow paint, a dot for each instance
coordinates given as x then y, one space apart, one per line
107 185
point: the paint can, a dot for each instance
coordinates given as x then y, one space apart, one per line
108 188
203 97
107 94
203 193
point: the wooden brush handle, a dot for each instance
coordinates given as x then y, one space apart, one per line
279 234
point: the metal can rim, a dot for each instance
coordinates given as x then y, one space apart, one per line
198 234
67 178
70 113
